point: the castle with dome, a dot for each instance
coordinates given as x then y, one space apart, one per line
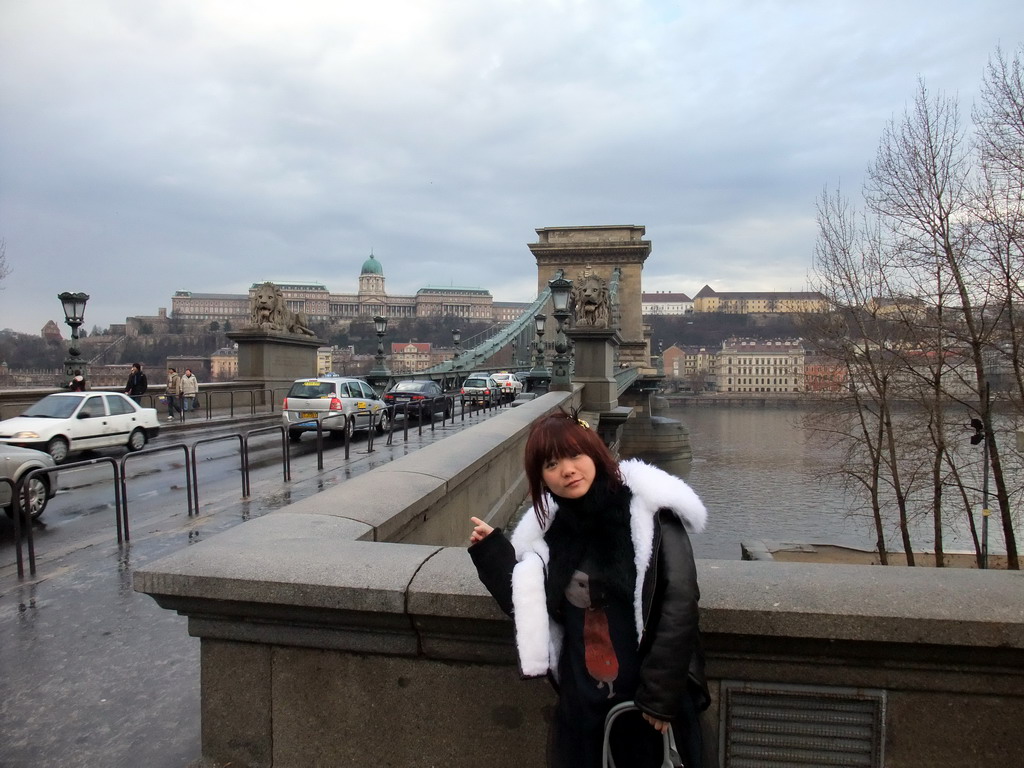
371 299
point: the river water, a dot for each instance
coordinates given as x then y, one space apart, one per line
759 474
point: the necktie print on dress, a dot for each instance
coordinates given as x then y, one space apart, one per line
602 663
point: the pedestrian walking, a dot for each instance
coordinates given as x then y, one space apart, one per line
173 393
600 581
77 383
137 385
189 388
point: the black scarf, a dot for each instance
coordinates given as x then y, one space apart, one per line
597 523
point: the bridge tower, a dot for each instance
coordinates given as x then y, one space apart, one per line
602 248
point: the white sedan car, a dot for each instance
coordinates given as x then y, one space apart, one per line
66 422
509 383
16 463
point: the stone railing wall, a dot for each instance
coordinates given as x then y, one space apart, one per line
15 401
350 629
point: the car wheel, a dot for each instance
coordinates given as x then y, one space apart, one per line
58 449
38 493
294 435
136 440
447 409
385 420
350 428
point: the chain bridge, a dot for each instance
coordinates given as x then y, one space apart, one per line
537 343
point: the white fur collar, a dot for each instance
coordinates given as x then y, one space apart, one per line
537 637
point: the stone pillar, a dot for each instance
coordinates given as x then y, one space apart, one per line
601 249
272 359
595 358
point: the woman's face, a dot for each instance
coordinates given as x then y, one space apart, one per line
569 477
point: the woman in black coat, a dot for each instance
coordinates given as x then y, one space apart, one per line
601 584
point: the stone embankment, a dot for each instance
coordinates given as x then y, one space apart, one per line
744 400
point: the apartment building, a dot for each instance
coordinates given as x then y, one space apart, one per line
759 365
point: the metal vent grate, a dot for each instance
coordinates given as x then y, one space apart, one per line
783 726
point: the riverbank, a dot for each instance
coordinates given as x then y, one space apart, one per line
816 552
738 400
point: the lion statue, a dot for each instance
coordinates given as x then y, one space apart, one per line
590 301
270 313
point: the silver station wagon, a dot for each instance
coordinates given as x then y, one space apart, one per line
341 404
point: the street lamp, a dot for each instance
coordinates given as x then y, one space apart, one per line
73 305
380 374
980 436
456 340
515 360
560 289
539 374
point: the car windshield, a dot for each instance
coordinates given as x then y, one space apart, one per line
475 383
410 386
53 407
311 389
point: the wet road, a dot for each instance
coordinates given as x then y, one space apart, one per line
95 674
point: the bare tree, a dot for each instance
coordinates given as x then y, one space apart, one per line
1000 202
919 187
928 286
853 334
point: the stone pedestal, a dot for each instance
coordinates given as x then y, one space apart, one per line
658 439
273 359
595 358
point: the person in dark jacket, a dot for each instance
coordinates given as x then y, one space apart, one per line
173 394
136 385
600 581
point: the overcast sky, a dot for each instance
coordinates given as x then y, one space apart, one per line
149 146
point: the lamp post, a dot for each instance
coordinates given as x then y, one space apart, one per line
539 374
980 436
515 360
73 305
457 342
560 289
380 374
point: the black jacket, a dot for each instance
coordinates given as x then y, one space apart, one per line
137 384
672 663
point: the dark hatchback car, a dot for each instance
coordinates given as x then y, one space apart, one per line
418 397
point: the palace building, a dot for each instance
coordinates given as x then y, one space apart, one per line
371 298
767 302
666 303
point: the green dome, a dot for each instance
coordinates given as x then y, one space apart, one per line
372 267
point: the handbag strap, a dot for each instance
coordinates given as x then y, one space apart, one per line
670 757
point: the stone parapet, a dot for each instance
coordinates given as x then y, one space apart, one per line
334 633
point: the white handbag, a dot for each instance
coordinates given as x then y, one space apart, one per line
671 757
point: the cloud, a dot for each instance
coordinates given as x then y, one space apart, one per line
188 144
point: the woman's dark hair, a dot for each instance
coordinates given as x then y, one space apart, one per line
556 436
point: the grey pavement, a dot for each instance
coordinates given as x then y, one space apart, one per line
93 673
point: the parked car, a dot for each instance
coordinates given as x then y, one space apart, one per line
311 399
509 383
67 422
479 389
418 396
15 463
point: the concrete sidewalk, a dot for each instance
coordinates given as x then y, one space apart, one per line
93 673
